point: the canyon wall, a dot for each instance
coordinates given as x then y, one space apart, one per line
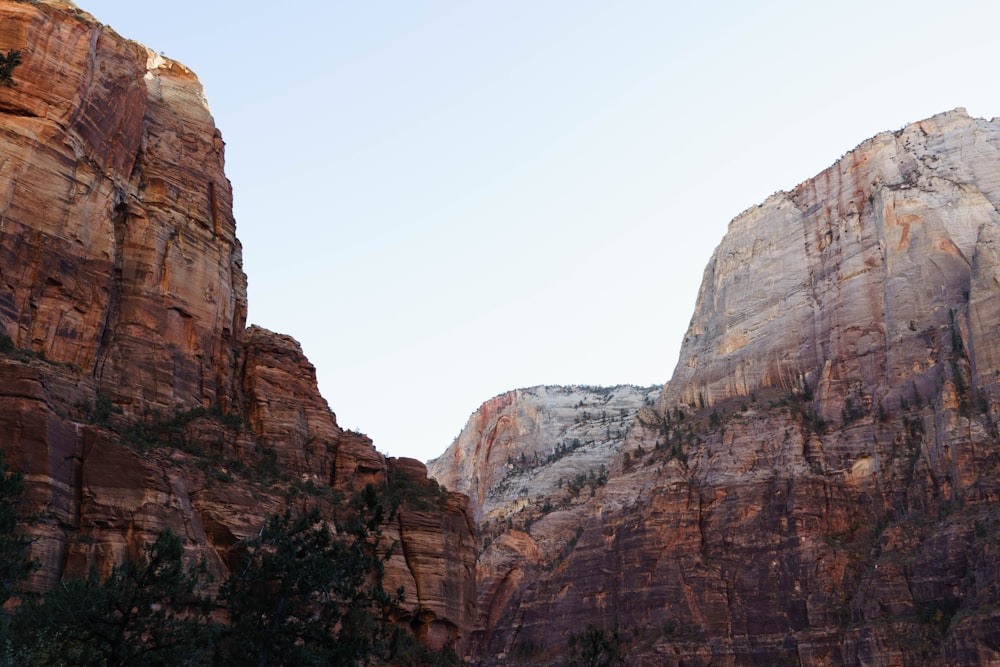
818 482
132 395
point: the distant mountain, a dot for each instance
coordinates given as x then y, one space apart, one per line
817 484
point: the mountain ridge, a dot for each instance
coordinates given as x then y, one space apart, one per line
814 483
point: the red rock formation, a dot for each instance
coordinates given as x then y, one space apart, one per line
818 482
135 400
118 242
437 541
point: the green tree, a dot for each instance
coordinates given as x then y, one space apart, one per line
148 611
301 596
7 64
596 647
15 565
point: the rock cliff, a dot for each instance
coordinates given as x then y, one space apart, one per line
131 394
818 482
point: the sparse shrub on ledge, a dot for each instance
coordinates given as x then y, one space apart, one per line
8 62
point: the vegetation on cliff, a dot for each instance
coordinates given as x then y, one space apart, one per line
301 592
14 562
8 62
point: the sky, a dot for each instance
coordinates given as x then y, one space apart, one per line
445 201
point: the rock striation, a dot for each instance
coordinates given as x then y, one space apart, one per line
817 484
118 245
132 395
529 459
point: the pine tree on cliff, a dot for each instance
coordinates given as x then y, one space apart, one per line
7 64
300 595
14 562
303 597
148 611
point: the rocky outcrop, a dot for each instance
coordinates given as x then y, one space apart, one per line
817 483
437 541
527 444
534 454
292 419
131 394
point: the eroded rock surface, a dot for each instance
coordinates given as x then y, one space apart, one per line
118 243
523 446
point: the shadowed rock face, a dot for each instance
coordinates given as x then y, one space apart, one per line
136 399
818 482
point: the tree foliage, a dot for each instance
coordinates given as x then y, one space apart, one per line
595 647
301 592
14 562
8 62
301 596
148 611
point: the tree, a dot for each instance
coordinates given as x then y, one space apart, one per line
596 648
301 596
15 565
7 64
148 611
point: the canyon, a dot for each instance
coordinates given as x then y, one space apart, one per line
817 483
133 397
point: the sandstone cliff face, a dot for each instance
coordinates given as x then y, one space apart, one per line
535 454
851 280
817 483
134 399
118 243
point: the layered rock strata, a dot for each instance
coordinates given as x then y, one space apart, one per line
131 394
818 482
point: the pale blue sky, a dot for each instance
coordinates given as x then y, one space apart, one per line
443 201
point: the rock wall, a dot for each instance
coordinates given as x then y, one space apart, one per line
117 238
818 482
849 281
131 394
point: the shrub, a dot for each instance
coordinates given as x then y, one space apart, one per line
7 64
596 648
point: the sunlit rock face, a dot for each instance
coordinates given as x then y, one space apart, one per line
818 482
117 243
851 280
518 446
136 400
